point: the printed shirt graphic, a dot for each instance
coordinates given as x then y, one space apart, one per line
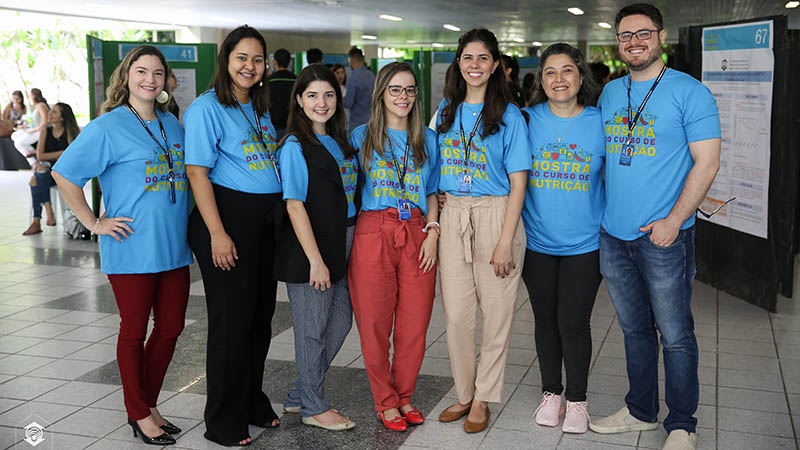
681 110
295 170
382 188
133 171
565 197
221 138
491 159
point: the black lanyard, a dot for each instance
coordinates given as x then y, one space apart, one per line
632 123
471 134
164 148
402 174
260 136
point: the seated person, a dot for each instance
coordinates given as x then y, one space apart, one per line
60 131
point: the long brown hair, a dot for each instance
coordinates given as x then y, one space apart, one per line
589 91
301 127
117 92
497 97
37 97
223 84
376 136
68 121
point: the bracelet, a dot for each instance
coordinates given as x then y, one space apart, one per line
96 224
430 224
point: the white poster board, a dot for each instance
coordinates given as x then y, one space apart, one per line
186 91
738 65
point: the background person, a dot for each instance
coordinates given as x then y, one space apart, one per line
359 89
230 156
12 114
62 129
393 265
511 71
26 136
321 171
143 234
280 91
314 56
566 138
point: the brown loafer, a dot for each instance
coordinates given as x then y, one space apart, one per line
475 427
449 416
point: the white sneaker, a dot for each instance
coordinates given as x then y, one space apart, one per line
549 411
681 440
620 422
577 418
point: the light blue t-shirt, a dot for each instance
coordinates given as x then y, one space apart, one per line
221 138
382 188
133 171
295 170
681 110
491 159
565 197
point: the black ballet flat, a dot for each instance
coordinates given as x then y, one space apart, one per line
163 439
170 428
227 444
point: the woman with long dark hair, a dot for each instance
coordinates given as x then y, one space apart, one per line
566 174
321 171
231 161
392 270
26 136
135 148
484 163
62 129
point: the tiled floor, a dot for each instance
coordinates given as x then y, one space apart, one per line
58 327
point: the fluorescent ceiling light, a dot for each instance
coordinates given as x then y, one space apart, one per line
604 25
447 26
519 40
437 45
791 5
536 44
369 37
576 11
390 18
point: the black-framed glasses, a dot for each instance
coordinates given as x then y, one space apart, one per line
396 91
642 35
708 215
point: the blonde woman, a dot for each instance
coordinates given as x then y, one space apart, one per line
136 150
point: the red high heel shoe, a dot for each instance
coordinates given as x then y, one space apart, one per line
397 424
413 417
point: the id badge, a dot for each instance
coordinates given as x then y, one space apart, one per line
464 183
626 155
277 168
404 208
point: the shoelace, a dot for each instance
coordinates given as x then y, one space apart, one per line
545 399
578 407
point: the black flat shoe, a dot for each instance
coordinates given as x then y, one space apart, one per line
170 428
226 444
163 439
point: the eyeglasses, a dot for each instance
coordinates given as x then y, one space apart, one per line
396 91
641 35
708 215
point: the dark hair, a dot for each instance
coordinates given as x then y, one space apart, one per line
68 119
314 56
338 66
38 97
301 126
497 96
644 9
510 62
587 95
22 102
356 53
528 82
223 83
282 57
599 72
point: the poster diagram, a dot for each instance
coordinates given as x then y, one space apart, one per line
738 65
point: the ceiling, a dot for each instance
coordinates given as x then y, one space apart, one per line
532 20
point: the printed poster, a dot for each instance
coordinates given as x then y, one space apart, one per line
186 91
738 66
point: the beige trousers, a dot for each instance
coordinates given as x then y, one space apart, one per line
471 227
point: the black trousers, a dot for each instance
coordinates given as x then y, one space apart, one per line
241 303
562 290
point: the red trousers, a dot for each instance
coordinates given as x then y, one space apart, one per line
142 366
387 287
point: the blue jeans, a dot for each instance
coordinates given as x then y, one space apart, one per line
651 288
40 194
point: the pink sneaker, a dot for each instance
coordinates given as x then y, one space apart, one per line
576 419
549 411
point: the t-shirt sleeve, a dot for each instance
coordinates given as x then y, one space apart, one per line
89 155
701 117
432 147
294 169
516 156
357 137
202 133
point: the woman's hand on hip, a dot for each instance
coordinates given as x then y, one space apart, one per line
223 251
114 227
503 259
319 276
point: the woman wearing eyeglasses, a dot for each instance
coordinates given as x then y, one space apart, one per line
136 150
392 272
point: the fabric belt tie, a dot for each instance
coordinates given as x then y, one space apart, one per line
465 227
